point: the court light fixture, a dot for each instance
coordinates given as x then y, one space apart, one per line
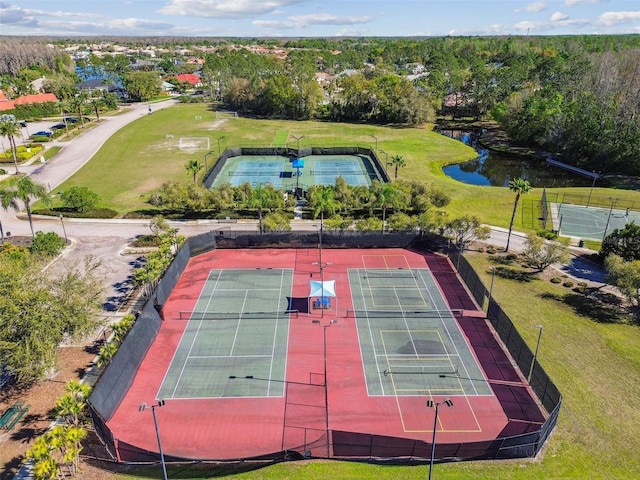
535 355
219 139
436 405
142 408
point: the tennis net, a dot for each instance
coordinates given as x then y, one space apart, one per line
400 273
421 370
254 173
189 315
352 313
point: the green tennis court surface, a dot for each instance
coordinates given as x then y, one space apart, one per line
278 170
409 339
589 222
239 328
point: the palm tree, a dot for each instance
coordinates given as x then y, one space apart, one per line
23 190
106 353
9 128
385 195
265 198
520 186
78 103
97 103
193 167
322 198
398 161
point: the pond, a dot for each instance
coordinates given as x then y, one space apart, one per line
497 169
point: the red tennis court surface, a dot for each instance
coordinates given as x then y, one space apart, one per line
298 423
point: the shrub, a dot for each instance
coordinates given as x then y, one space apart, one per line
555 280
79 199
47 244
439 198
147 241
549 235
567 283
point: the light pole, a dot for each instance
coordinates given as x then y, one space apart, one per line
376 139
64 230
493 277
593 184
220 138
206 165
613 204
436 405
535 355
296 138
386 159
326 388
142 408
320 264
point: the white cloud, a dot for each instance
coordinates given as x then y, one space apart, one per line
225 8
302 21
26 17
614 18
328 19
559 16
571 3
534 7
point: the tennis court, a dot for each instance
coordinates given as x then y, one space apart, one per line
592 223
410 341
239 327
281 172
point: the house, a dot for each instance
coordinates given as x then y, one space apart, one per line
192 78
168 87
6 104
100 85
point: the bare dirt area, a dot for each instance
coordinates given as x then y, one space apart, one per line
72 361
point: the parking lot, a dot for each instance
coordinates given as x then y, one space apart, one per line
30 129
33 127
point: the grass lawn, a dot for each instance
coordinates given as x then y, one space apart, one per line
149 155
147 150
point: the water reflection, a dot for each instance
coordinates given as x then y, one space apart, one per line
497 169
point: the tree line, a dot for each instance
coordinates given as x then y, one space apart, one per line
571 96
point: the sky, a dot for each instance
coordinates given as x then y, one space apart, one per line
318 18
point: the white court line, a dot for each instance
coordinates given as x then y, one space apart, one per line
195 337
235 335
373 345
275 336
463 364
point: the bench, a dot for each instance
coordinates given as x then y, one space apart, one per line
12 411
21 413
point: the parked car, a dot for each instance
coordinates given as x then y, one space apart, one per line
59 126
23 123
43 133
71 120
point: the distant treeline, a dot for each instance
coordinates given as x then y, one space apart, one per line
574 96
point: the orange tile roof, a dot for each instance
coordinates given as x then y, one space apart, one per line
39 98
192 78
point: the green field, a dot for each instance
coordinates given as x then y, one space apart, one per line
147 150
595 364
